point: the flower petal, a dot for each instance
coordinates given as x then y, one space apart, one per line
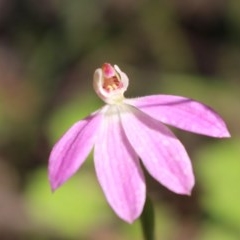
162 153
182 113
71 150
118 168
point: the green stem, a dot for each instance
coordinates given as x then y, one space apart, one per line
147 220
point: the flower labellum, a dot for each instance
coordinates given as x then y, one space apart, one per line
127 130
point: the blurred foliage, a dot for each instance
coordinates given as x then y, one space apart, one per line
218 168
71 210
48 52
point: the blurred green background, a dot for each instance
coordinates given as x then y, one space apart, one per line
49 50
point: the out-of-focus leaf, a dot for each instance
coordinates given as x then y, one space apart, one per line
73 210
218 170
210 232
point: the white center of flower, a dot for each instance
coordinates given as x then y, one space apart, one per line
110 83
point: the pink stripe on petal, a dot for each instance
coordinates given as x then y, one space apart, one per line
161 152
118 168
71 150
182 113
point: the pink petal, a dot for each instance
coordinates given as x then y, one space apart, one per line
162 153
183 113
71 150
118 169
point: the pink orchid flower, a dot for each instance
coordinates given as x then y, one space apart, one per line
126 130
